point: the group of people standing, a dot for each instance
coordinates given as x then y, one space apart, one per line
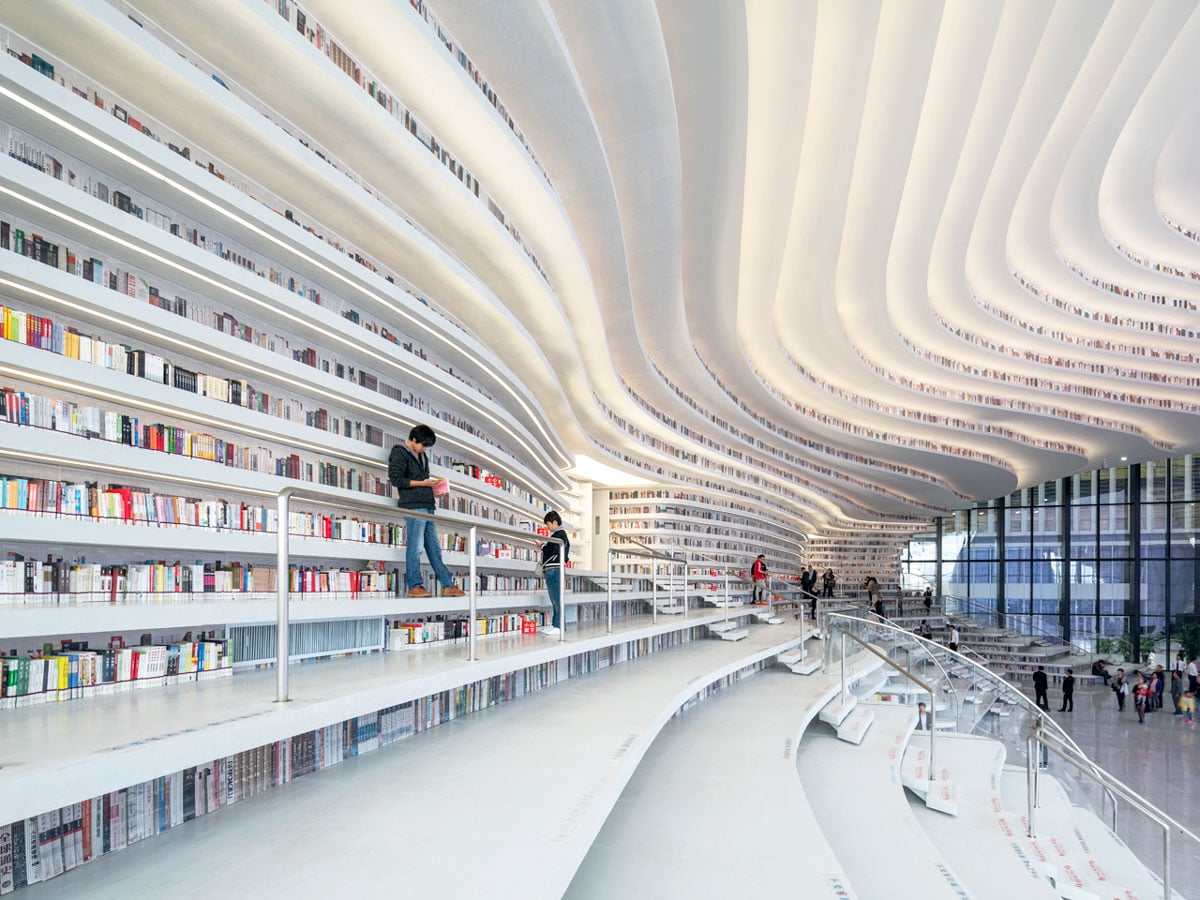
808 582
1147 688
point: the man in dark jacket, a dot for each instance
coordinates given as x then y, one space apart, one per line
1068 704
1039 688
408 471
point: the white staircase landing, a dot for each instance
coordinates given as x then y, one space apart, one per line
885 853
670 839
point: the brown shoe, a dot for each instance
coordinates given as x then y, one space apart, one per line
452 591
418 591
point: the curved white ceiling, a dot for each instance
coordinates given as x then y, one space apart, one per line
878 224
856 262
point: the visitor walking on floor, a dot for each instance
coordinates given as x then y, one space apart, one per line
927 598
1141 697
1188 706
1193 675
1176 691
1121 689
953 642
1039 688
1068 688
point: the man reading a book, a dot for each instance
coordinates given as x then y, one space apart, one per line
408 470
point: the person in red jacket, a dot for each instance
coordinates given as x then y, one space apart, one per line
758 573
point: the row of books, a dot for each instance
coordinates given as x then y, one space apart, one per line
44 333
405 634
19 407
134 505
321 39
53 580
137 285
79 674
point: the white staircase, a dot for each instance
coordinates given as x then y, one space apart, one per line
798 662
937 791
728 631
854 726
837 709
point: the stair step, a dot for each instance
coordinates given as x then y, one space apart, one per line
807 666
736 635
790 657
914 768
942 799
768 619
676 610
855 725
718 627
837 709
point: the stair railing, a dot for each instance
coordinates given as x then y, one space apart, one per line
283 549
907 674
723 568
646 552
931 648
1112 787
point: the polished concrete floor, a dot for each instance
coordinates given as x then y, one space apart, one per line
1159 760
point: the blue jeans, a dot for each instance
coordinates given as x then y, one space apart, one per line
418 532
554 589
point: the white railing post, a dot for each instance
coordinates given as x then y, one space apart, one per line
610 576
654 591
727 599
1030 784
610 631
281 596
471 614
685 588
843 667
562 595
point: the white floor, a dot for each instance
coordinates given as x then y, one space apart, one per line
58 753
502 803
716 808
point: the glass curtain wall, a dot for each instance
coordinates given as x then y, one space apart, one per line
1109 554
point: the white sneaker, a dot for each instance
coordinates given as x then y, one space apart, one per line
549 629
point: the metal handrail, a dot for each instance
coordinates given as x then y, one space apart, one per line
283 542
958 702
1040 716
645 553
905 672
1111 787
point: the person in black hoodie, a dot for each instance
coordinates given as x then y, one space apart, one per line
408 471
